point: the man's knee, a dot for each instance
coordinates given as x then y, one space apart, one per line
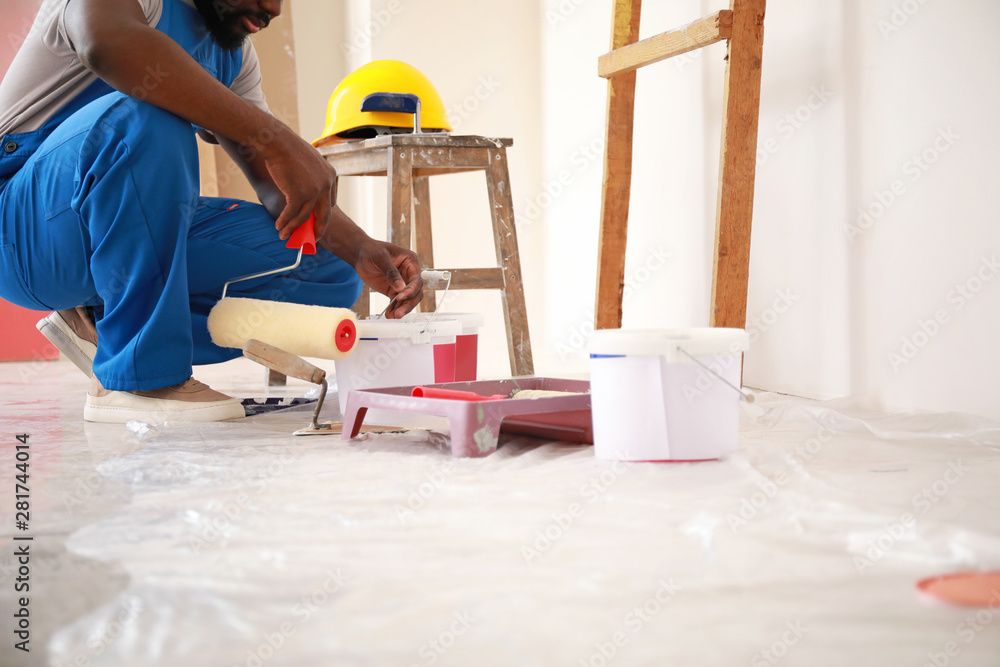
328 281
144 125
129 113
341 276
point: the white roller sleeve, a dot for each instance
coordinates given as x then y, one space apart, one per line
308 331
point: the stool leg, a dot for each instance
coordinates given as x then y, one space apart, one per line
505 238
363 306
399 185
422 235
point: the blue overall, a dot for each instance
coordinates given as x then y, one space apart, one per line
101 207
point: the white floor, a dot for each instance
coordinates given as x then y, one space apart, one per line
238 544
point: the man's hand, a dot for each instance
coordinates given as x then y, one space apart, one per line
393 271
306 180
384 267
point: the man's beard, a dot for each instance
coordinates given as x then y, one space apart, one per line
226 24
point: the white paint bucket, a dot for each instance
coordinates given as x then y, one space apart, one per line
663 395
393 353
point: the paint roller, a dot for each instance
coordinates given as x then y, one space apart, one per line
308 331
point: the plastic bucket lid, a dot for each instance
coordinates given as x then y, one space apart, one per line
669 343
471 322
416 332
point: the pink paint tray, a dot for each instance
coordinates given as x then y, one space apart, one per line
476 425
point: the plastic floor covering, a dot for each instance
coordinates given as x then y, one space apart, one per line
239 544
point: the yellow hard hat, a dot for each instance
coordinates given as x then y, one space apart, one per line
378 97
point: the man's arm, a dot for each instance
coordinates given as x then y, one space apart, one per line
253 167
386 268
114 41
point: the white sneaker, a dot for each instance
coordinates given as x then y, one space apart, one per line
73 334
188 401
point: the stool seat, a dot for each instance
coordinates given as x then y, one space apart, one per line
407 161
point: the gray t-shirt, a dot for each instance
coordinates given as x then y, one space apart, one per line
46 72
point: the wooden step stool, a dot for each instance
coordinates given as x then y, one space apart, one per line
408 161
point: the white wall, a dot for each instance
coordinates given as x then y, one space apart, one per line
852 91
798 305
877 312
927 104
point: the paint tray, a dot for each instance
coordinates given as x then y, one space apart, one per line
476 426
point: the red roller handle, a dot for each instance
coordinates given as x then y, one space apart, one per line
304 237
453 394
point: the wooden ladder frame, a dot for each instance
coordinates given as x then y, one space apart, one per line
743 26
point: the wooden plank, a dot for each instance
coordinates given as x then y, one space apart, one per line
447 140
423 239
368 163
617 174
425 140
430 161
451 157
515 311
709 30
417 173
438 156
443 171
466 279
741 107
399 187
